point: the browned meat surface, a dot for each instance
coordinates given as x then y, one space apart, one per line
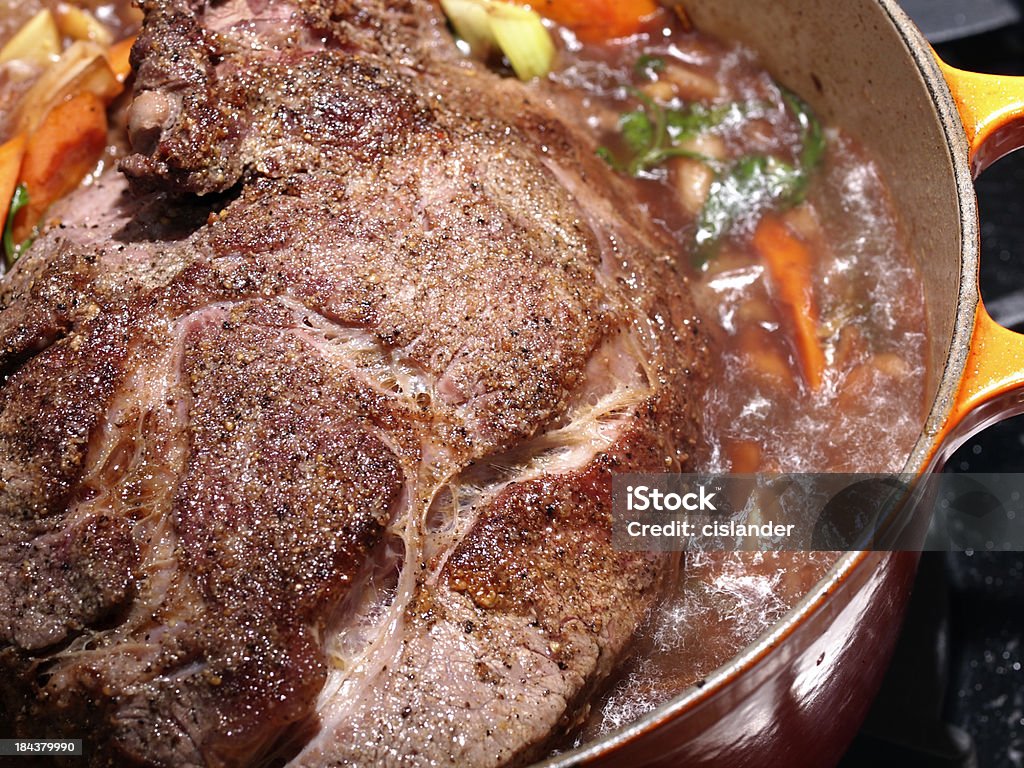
308 419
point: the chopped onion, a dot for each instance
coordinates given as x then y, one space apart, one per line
516 31
38 41
79 24
82 67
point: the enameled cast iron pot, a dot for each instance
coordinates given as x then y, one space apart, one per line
797 696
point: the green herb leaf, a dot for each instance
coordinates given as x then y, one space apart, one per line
637 131
652 133
647 66
813 137
11 251
754 183
609 157
695 119
742 189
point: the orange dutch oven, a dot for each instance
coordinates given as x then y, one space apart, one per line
797 696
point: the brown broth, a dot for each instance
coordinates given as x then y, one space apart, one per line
759 412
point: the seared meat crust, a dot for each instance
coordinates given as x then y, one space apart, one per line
308 419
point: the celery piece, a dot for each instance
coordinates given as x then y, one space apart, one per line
523 39
515 30
472 22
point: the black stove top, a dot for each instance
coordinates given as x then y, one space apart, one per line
954 695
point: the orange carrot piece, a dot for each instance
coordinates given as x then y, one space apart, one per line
788 261
597 20
64 150
744 456
11 154
82 67
118 57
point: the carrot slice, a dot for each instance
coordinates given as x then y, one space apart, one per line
11 154
597 20
119 57
744 456
788 261
63 151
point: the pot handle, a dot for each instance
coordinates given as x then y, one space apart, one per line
991 108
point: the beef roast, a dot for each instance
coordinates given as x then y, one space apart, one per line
309 414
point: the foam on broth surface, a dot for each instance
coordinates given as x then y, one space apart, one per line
760 415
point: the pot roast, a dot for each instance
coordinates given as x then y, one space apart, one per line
309 412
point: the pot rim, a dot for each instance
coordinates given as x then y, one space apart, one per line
923 457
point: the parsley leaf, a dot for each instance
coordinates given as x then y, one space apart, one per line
812 138
757 182
653 132
752 182
695 119
647 66
637 131
12 250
